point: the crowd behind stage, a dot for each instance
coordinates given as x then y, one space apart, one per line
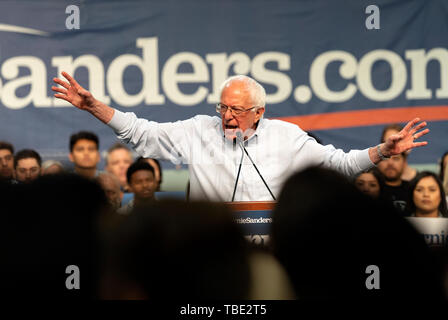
70 234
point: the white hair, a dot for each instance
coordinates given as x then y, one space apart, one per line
48 163
256 90
114 147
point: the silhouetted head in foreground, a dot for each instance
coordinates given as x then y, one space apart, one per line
176 250
327 234
49 225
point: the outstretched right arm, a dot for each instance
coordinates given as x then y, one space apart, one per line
82 99
150 139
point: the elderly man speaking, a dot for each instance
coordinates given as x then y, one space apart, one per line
241 156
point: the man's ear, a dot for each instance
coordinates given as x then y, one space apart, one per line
259 113
98 157
70 156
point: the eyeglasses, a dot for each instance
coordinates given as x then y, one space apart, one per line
221 108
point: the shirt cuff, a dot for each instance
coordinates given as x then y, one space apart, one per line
364 161
118 121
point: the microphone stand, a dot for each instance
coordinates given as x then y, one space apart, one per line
240 143
238 175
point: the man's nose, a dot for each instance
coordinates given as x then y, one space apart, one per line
228 115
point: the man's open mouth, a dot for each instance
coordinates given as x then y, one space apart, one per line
230 127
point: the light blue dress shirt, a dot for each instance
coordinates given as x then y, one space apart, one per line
278 148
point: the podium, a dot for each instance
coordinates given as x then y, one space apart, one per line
255 218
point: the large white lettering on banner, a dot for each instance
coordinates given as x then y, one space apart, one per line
163 82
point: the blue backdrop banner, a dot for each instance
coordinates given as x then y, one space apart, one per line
342 69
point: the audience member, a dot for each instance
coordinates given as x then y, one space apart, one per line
52 167
443 162
56 227
445 184
84 153
27 164
142 184
118 160
428 196
395 189
173 250
111 186
327 233
408 172
370 182
443 172
6 161
157 170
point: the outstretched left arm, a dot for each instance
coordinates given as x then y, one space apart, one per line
400 142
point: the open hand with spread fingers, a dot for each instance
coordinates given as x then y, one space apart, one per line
72 92
405 139
81 98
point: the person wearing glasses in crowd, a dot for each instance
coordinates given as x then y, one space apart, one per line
209 144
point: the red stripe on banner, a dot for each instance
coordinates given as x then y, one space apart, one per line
251 205
348 119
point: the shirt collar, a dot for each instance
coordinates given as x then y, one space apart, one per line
260 125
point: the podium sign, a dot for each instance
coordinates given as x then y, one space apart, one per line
434 230
255 219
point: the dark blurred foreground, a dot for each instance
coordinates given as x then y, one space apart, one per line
324 235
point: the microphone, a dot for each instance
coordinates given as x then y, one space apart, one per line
239 139
239 170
